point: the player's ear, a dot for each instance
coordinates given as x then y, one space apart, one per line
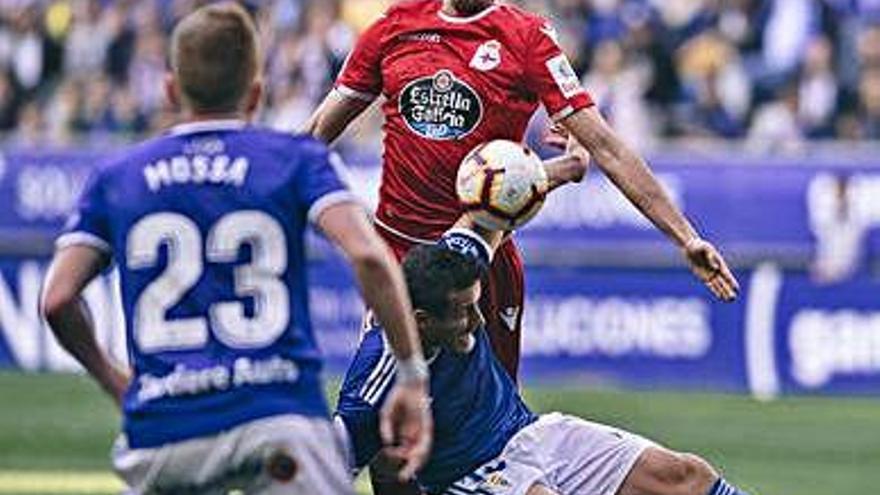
423 320
253 98
172 92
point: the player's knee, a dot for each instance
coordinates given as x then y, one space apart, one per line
674 473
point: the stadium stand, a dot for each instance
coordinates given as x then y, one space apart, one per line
775 73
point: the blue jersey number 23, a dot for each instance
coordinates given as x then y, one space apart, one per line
260 279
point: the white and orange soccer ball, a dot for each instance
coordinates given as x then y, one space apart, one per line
501 184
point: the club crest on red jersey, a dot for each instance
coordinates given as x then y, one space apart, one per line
440 106
487 56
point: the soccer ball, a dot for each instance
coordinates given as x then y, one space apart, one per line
501 184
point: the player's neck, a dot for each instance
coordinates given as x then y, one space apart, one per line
449 9
193 116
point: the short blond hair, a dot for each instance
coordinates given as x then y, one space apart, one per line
215 56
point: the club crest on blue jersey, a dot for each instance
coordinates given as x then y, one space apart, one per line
440 107
466 244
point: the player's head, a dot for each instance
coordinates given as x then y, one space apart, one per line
215 61
471 7
444 286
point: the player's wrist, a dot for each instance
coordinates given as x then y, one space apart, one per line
412 370
691 243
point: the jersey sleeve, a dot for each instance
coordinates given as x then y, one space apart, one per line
322 180
550 76
89 224
364 390
361 76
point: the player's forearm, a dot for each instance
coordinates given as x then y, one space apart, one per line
631 175
384 291
492 237
72 326
378 275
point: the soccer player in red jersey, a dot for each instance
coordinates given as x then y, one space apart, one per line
452 81
457 73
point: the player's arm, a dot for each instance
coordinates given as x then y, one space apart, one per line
380 279
632 176
333 116
358 84
61 304
405 421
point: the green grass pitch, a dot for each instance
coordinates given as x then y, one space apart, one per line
56 430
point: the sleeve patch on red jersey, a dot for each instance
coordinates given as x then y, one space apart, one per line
564 76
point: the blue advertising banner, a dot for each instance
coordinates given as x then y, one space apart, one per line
642 328
39 188
631 327
826 338
607 302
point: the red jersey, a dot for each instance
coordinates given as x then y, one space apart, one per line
452 83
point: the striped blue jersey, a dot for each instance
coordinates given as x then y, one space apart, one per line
475 405
206 225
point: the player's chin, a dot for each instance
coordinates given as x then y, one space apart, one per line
470 7
463 343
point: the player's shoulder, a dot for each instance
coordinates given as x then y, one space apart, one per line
119 161
518 19
517 16
286 142
270 139
373 343
372 357
287 148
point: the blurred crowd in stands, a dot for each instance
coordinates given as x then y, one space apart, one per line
774 73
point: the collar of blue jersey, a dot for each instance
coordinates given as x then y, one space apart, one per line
468 243
207 126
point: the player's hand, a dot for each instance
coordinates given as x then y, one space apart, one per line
569 168
406 427
576 150
557 136
708 265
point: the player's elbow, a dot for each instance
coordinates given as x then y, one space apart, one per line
369 258
311 126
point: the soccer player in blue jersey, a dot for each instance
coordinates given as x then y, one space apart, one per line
206 226
486 440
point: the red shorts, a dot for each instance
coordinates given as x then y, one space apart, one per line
501 302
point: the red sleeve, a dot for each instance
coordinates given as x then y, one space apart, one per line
361 76
550 76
